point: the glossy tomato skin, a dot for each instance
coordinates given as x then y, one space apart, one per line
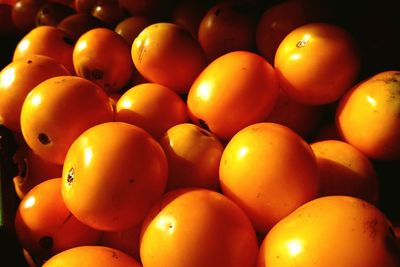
58 45
77 24
317 63
130 27
368 116
93 61
167 54
331 231
17 79
92 256
235 90
197 227
46 227
269 171
58 110
112 174
193 155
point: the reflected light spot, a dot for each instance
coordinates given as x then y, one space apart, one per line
166 223
295 57
372 101
88 155
204 90
7 78
30 202
82 45
243 152
23 45
306 37
36 100
126 103
295 246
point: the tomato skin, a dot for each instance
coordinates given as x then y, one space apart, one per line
197 227
331 231
45 226
269 171
58 110
112 174
92 256
130 28
167 54
17 79
367 116
226 104
317 63
111 71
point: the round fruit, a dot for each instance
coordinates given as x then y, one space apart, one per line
269 171
197 228
112 174
58 110
130 27
331 231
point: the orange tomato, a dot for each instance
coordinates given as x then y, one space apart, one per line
93 61
197 227
269 171
24 14
130 28
344 170
58 45
92 256
317 63
368 116
17 79
58 110
84 6
167 54
109 12
237 89
331 231
45 226
77 24
226 27
193 156
112 174
151 106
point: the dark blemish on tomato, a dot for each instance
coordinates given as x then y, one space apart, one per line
204 125
244 68
205 132
96 74
44 139
67 219
114 255
68 40
70 176
301 43
217 12
371 227
46 242
29 61
131 181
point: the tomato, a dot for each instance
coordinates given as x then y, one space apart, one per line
84 6
193 157
57 45
45 226
197 227
24 14
112 174
52 13
317 63
17 79
167 54
130 28
227 27
109 12
237 89
78 24
7 25
344 170
368 116
154 9
331 231
151 106
58 110
92 256
269 171
93 61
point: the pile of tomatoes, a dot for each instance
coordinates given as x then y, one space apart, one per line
203 133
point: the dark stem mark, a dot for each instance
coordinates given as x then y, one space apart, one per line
46 242
44 139
70 176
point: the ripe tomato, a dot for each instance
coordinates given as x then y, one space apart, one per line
92 256
52 13
368 116
193 156
237 89
84 6
109 12
58 110
317 63
17 79
24 14
58 45
112 174
344 170
93 61
45 226
226 27
197 228
331 231
151 106
167 54
130 27
78 24
269 171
